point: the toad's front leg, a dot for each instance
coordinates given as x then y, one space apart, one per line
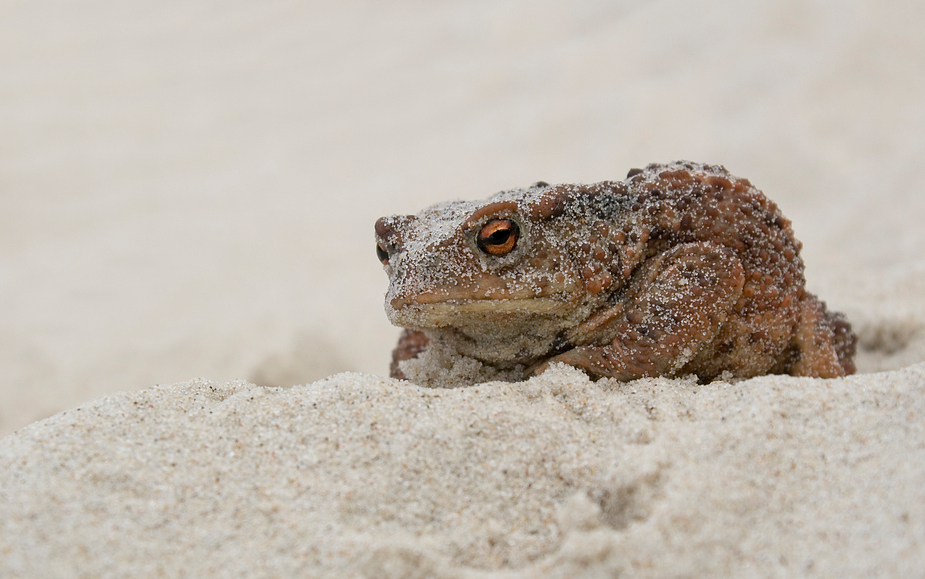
675 306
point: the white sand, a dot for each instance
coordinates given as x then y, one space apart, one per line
363 476
188 189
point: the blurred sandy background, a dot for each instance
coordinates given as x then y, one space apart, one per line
188 188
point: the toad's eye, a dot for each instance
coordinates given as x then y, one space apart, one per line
382 254
498 236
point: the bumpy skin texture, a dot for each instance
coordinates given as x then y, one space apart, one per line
679 269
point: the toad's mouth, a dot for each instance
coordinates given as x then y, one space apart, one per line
455 312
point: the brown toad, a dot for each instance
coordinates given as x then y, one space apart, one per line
679 269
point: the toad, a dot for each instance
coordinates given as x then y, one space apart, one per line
680 269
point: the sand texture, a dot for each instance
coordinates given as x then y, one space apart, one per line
188 189
359 476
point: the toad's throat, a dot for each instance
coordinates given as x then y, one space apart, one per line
500 332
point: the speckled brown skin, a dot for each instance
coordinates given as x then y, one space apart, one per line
679 269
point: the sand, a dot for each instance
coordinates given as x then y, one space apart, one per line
360 476
187 189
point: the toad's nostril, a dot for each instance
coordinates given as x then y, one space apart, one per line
382 254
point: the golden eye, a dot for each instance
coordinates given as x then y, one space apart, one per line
382 254
498 237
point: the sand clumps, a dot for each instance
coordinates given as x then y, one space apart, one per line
361 476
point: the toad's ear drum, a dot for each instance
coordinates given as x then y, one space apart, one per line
498 237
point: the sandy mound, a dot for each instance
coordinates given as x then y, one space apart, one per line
362 476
